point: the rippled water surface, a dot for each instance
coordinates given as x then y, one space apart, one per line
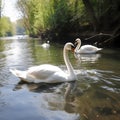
96 95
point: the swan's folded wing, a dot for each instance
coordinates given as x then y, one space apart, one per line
42 72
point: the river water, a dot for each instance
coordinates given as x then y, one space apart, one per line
96 95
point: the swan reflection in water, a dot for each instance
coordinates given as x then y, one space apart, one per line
53 100
87 57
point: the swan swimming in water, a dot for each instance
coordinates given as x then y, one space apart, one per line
46 45
85 48
48 73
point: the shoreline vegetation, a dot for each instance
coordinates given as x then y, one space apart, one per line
106 39
94 22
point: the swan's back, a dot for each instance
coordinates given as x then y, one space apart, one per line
85 48
89 49
44 73
46 45
49 73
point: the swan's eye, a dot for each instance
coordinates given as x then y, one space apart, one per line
76 42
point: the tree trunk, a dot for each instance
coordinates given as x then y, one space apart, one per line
91 14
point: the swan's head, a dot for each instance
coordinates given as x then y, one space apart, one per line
78 41
69 46
48 41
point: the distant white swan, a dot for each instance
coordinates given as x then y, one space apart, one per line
48 73
85 48
46 45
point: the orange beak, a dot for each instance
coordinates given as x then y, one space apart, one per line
72 48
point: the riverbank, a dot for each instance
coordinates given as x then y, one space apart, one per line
105 39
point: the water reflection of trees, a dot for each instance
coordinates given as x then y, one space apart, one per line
53 55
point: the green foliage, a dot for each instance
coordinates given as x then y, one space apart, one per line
6 27
107 13
42 15
64 16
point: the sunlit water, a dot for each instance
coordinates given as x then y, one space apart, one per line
96 95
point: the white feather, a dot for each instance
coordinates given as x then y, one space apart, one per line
46 45
85 48
48 73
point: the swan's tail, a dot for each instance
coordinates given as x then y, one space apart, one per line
18 73
100 49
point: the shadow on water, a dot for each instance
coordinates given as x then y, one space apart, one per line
52 97
39 87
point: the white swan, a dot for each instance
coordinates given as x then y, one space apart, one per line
46 45
48 73
85 48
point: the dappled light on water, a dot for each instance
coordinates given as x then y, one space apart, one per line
94 96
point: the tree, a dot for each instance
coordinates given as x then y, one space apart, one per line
6 27
60 18
91 13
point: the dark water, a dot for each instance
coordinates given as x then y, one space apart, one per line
95 97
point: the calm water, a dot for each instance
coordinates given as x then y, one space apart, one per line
95 97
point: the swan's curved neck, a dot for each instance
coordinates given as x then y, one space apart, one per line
68 65
78 47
